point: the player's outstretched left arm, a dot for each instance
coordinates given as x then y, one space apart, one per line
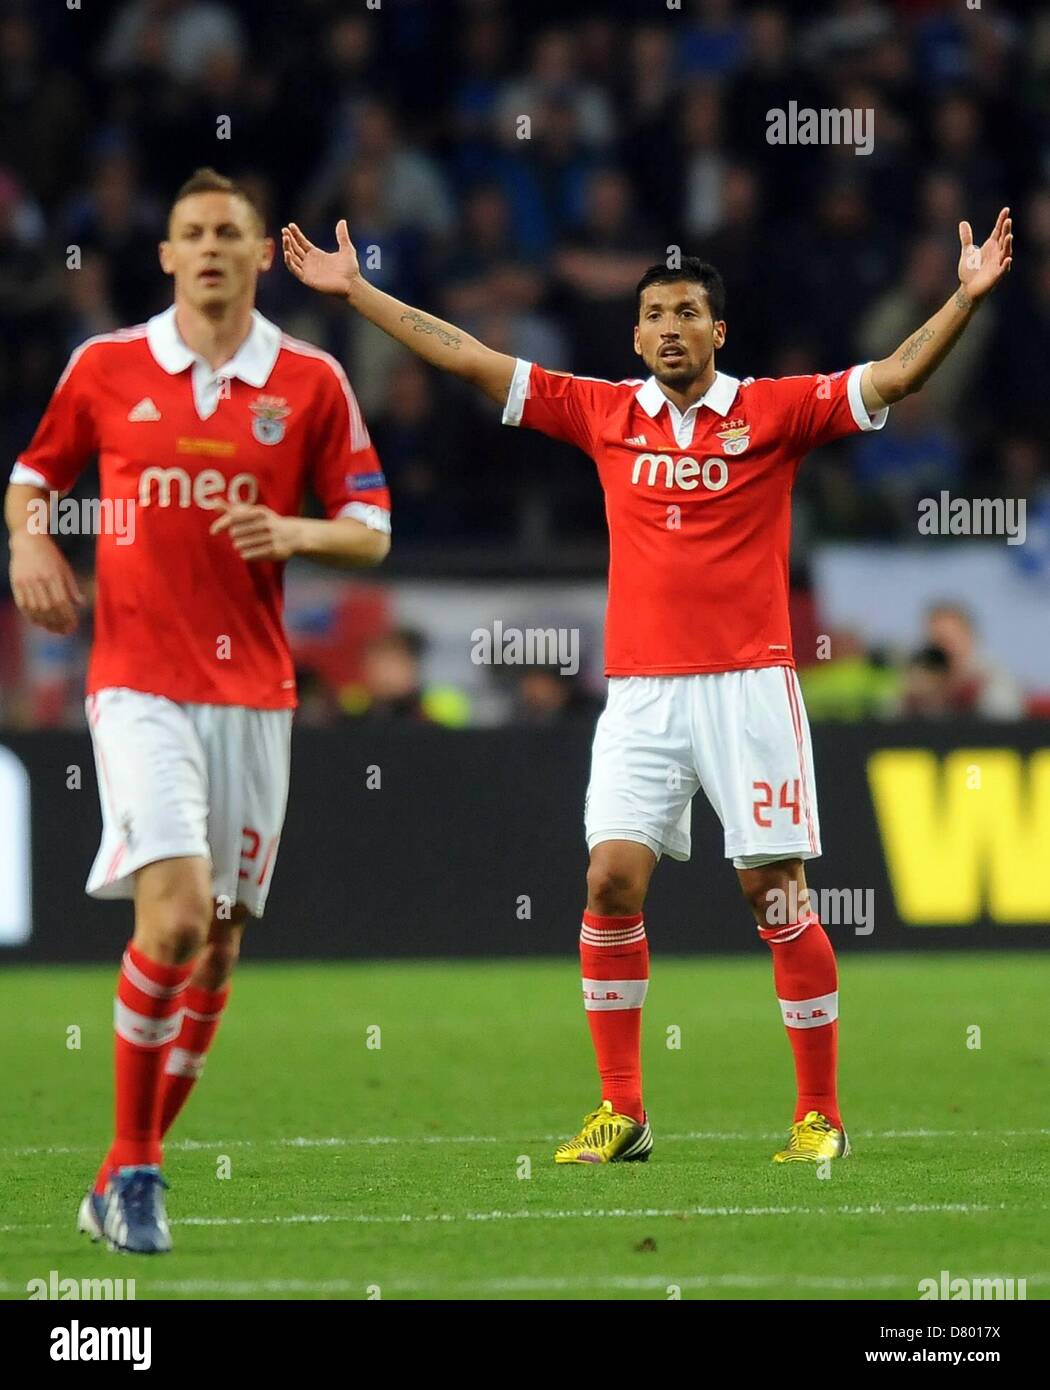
260 533
980 270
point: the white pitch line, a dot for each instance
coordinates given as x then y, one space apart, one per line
582 1214
693 1136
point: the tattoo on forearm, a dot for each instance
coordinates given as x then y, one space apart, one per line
962 299
914 347
422 325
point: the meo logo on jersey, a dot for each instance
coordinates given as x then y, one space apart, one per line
175 488
686 473
268 416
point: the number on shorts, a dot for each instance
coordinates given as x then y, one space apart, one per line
763 805
788 801
251 853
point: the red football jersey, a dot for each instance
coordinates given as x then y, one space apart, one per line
179 612
698 505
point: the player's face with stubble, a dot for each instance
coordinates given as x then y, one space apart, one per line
675 335
215 251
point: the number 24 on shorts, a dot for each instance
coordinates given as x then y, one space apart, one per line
788 802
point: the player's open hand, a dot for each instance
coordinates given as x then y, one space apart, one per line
43 584
982 267
258 533
330 272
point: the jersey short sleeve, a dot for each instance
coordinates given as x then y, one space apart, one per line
66 437
556 403
818 409
345 472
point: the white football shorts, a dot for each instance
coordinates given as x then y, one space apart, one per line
742 737
180 779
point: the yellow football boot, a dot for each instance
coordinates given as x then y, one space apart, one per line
813 1138
607 1137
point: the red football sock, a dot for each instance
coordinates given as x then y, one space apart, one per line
146 1021
614 958
185 1061
806 981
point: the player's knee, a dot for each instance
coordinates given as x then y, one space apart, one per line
216 964
768 888
180 924
614 891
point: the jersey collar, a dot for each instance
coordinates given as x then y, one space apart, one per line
719 396
251 363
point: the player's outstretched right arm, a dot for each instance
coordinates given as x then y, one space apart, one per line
441 344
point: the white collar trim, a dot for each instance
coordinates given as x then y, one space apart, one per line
719 396
252 363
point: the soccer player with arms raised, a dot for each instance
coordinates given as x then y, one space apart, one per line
697 469
211 425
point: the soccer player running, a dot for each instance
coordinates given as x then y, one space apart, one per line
697 469
210 425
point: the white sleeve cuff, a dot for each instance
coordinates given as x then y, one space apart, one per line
516 396
375 518
864 420
29 476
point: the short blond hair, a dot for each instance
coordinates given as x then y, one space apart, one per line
208 180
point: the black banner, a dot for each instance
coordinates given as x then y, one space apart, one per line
417 841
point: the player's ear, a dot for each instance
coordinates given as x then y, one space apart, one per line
637 342
267 249
167 259
720 333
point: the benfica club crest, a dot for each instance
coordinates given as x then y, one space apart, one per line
735 437
268 416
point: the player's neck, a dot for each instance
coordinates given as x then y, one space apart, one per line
684 399
217 337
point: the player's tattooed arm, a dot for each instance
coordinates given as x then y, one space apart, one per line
441 344
980 270
420 324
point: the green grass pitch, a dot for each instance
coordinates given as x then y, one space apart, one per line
422 1168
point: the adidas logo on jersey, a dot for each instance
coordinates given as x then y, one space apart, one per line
145 410
636 439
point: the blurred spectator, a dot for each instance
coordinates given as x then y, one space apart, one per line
414 191
545 695
597 267
175 38
913 456
42 112
116 219
926 691
852 684
975 685
554 81
392 686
